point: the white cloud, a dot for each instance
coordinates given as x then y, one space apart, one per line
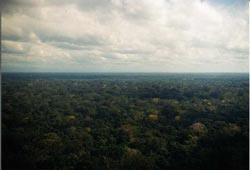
124 35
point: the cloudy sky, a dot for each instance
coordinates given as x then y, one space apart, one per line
125 35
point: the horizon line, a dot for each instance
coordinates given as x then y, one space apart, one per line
118 72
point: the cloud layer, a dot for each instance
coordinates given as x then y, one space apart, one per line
124 36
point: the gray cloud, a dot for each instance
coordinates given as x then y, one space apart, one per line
14 48
69 46
86 40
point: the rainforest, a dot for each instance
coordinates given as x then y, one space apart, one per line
125 121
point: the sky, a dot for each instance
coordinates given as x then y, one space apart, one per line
125 36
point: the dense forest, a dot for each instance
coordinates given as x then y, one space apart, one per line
62 121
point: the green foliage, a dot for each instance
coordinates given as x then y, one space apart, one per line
120 122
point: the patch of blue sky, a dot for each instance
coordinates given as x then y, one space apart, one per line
229 3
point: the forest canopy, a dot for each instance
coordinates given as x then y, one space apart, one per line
124 121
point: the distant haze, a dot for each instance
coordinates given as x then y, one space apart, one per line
125 35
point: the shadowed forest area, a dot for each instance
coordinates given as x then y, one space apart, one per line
94 121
